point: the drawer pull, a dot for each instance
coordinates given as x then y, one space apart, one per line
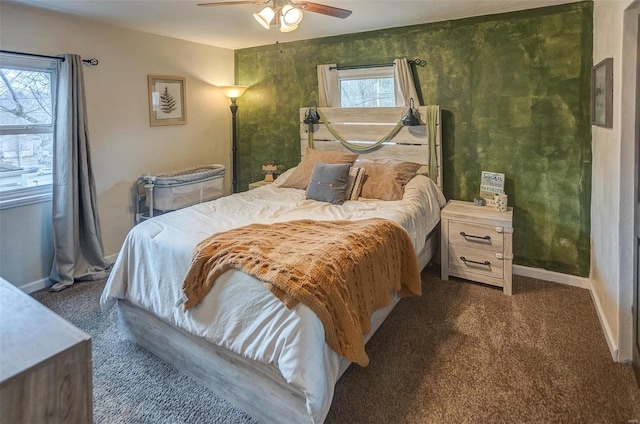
465 235
465 260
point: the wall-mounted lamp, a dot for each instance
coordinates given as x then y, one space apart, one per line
233 92
311 116
410 119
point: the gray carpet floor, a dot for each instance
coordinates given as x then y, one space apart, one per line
461 353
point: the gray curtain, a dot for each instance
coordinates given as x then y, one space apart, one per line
77 240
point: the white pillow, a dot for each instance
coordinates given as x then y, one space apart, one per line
282 177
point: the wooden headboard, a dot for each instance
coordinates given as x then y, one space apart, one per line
368 125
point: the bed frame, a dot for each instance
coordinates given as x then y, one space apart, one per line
256 388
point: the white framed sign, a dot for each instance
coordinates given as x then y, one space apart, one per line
491 183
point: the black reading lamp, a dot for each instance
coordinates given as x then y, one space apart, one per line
312 117
410 119
233 92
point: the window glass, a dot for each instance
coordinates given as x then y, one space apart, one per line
367 87
26 128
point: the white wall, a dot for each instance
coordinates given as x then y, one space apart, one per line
612 180
26 241
123 145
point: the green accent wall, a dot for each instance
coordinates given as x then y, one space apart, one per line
514 89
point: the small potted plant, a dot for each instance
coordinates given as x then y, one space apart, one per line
280 170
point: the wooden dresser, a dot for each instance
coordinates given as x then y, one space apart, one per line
45 364
477 244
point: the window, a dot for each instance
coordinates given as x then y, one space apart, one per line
367 87
26 129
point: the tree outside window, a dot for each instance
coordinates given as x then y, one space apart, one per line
370 92
26 124
367 87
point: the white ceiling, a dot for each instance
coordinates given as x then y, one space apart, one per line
234 27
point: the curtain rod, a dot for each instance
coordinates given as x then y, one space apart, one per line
379 65
91 62
418 62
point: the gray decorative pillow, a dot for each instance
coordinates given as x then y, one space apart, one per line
329 182
300 177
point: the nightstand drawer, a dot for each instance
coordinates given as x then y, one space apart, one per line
476 236
477 261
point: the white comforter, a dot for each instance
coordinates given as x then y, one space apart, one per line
239 313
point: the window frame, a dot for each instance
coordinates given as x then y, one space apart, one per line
376 72
37 194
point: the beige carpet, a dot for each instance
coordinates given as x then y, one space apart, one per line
464 352
461 353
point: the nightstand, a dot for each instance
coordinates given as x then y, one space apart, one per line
476 244
259 184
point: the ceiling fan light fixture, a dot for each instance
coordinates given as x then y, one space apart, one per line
265 17
286 28
291 16
285 14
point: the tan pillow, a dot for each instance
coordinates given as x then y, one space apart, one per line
385 178
301 176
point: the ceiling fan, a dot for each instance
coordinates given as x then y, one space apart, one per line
286 14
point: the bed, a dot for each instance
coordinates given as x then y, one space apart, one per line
241 341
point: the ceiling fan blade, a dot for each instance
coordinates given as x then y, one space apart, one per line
336 12
230 3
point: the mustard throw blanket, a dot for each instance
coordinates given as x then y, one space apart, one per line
341 270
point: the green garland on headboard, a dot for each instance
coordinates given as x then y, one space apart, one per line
432 123
352 146
431 118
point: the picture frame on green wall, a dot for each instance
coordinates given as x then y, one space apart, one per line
602 94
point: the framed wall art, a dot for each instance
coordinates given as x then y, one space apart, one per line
167 100
602 94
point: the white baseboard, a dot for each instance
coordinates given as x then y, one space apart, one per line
572 280
44 282
35 285
606 328
556 277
